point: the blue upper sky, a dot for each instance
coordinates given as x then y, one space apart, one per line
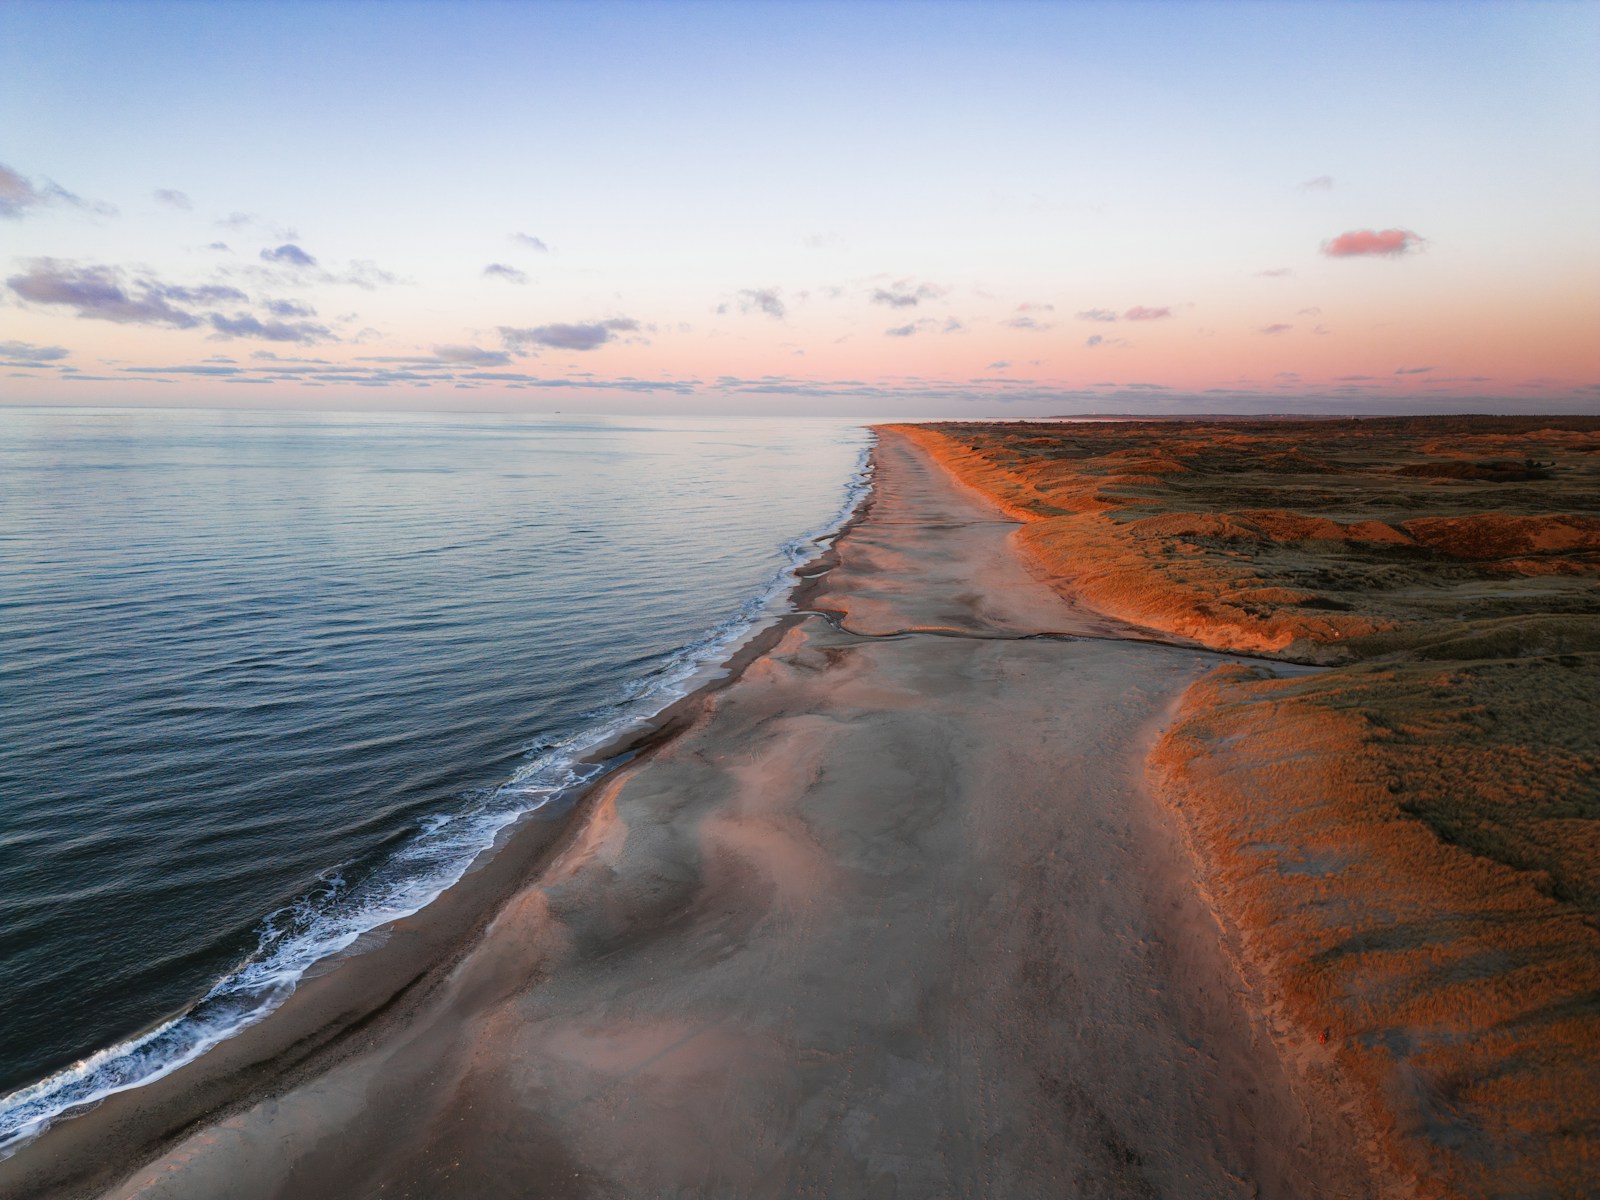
882 208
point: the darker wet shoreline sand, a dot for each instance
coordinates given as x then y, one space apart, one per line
354 996
863 916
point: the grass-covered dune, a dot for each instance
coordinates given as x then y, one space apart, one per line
1405 849
1320 541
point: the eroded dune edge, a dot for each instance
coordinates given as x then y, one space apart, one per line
1405 848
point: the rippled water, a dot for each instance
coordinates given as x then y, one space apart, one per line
267 680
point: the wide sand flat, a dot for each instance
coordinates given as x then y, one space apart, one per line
892 918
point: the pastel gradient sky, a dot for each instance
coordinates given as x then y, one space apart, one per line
897 209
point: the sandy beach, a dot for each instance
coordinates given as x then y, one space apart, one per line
888 914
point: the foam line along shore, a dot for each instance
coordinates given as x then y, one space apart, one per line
341 917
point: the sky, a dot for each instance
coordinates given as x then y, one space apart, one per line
890 210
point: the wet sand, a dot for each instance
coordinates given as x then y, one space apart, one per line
888 915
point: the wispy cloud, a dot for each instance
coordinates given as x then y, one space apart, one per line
202 369
1097 314
1412 370
173 198
240 221
288 254
453 366
27 354
1140 313
291 264
450 365
247 326
471 356
289 308
508 273
20 196
926 325
1322 183
1389 243
764 300
1026 322
903 294
529 242
1275 329
590 335
1274 273
365 275
204 295
101 293
106 293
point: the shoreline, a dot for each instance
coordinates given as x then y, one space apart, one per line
547 924
390 965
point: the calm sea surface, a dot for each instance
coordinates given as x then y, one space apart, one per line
269 680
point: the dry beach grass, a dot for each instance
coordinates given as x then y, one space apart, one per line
1294 538
1405 848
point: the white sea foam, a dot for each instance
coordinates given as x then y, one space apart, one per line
328 920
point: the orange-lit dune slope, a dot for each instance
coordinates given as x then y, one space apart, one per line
1292 538
1405 850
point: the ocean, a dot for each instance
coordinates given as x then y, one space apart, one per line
269 680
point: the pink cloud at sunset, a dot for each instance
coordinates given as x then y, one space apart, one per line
1389 243
1140 313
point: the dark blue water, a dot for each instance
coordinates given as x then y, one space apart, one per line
269 680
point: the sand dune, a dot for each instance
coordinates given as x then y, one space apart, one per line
1304 540
1406 850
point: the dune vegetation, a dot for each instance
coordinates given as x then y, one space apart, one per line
1404 849
1302 539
